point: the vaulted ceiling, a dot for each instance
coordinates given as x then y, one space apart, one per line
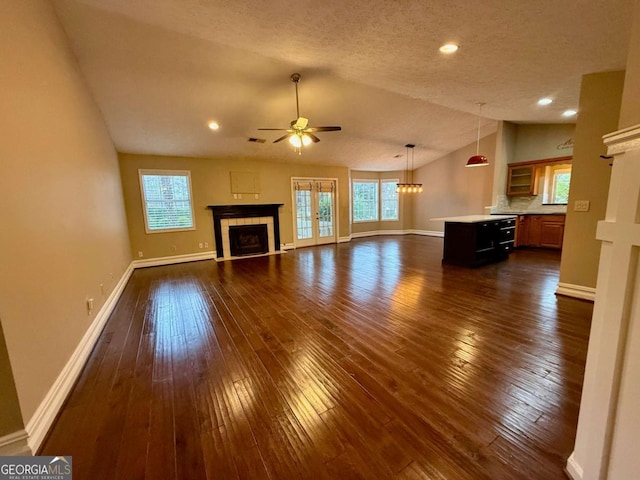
160 70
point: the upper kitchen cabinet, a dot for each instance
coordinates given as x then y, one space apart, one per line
521 180
549 177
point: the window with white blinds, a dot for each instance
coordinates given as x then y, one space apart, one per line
166 200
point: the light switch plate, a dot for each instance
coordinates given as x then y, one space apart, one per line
581 206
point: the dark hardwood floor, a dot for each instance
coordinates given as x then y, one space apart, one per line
361 360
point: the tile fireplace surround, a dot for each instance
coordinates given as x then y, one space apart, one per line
228 215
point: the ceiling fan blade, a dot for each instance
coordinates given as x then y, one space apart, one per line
277 129
282 137
323 129
313 138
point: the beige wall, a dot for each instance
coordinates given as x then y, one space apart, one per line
10 419
538 142
404 206
451 189
630 110
211 183
63 215
600 97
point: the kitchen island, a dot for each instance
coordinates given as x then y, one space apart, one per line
474 240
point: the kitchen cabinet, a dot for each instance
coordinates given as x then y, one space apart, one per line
476 240
521 180
545 231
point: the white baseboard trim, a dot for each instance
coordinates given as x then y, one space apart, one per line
159 261
15 444
427 233
576 291
46 413
344 239
574 470
373 233
287 246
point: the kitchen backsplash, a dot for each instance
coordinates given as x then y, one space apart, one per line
525 204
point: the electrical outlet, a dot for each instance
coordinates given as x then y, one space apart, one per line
173 248
89 305
102 289
200 245
581 206
140 254
206 244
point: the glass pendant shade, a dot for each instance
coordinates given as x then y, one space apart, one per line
295 141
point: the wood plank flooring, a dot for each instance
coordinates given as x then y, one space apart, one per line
366 360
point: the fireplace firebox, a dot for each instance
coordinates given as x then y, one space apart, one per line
248 240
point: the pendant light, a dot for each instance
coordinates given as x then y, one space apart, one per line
409 186
478 160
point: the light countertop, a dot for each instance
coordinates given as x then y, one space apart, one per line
474 218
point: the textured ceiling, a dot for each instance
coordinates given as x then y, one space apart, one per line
161 69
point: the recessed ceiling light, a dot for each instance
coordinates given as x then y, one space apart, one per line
545 101
214 125
569 113
449 48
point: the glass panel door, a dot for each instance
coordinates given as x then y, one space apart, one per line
304 223
314 211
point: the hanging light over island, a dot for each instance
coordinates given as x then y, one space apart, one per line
478 160
409 187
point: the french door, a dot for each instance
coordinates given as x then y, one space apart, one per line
314 202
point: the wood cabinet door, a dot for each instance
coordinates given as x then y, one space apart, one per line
552 232
535 222
522 231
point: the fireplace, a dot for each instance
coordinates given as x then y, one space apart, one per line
226 219
248 239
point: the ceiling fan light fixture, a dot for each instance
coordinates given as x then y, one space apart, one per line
299 140
478 160
300 133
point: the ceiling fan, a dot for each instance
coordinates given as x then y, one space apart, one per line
300 133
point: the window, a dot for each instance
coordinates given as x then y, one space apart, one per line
166 200
375 199
365 200
389 204
557 179
560 188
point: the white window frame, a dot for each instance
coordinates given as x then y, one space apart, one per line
394 181
554 184
168 173
377 200
550 181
